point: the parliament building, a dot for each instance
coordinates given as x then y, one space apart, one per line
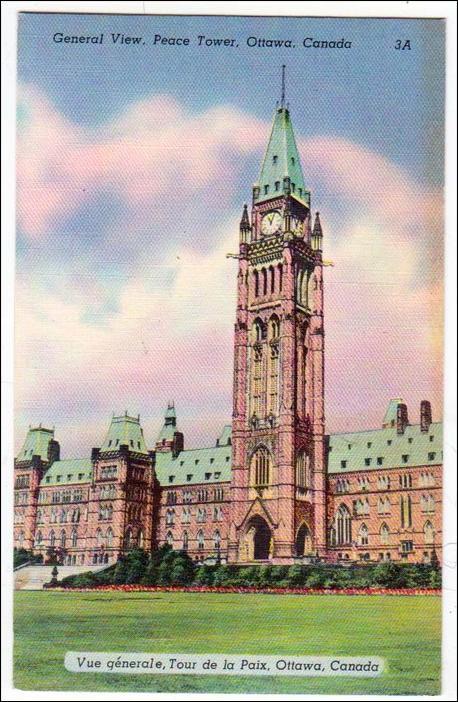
274 487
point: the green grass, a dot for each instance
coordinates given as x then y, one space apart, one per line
403 630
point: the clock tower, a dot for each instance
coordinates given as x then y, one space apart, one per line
278 478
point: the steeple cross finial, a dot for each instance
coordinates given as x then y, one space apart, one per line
283 85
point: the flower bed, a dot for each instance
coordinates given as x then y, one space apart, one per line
251 590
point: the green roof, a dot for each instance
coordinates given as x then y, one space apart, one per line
36 444
282 160
68 472
125 430
390 418
205 465
359 451
170 425
224 439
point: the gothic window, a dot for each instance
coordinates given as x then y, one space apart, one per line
256 283
38 538
343 526
257 381
303 472
140 539
274 328
129 539
363 535
264 281
277 185
260 467
280 277
170 517
63 538
185 541
406 511
273 380
384 534
109 536
427 503
52 538
200 540
217 540
428 532
217 514
272 279
74 537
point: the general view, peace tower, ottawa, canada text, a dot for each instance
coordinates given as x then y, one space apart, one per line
274 487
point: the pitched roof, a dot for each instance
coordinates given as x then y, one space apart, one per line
69 471
36 444
352 451
125 430
282 160
205 465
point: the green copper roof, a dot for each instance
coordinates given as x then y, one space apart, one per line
170 425
68 472
282 160
206 465
380 449
389 420
224 439
125 430
36 444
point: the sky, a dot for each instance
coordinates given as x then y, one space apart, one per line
133 164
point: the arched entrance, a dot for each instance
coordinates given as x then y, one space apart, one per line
303 540
258 540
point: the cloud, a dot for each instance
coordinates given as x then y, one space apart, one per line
92 339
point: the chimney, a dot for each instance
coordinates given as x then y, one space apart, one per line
402 419
425 415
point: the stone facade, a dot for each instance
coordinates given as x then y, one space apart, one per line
274 488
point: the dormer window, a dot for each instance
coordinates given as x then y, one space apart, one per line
217 475
367 461
228 458
266 189
109 443
369 444
208 476
293 160
274 159
212 460
196 461
343 464
277 185
293 187
300 192
132 443
189 477
171 478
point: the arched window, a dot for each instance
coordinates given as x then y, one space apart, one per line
303 473
260 467
274 328
363 535
273 379
272 278
428 531
170 517
140 539
52 538
129 538
38 538
63 538
99 537
343 526
200 540
256 283
217 540
185 541
280 277
74 537
109 536
257 381
169 538
264 281
384 534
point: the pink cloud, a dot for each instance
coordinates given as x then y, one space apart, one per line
383 296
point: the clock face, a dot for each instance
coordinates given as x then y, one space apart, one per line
271 223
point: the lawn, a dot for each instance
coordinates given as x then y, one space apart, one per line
403 630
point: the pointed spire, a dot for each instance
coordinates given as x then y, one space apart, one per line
245 227
283 86
281 170
317 234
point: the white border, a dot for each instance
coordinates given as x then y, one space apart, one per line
324 9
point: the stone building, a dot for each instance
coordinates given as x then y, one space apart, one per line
274 487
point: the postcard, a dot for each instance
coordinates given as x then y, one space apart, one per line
228 354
